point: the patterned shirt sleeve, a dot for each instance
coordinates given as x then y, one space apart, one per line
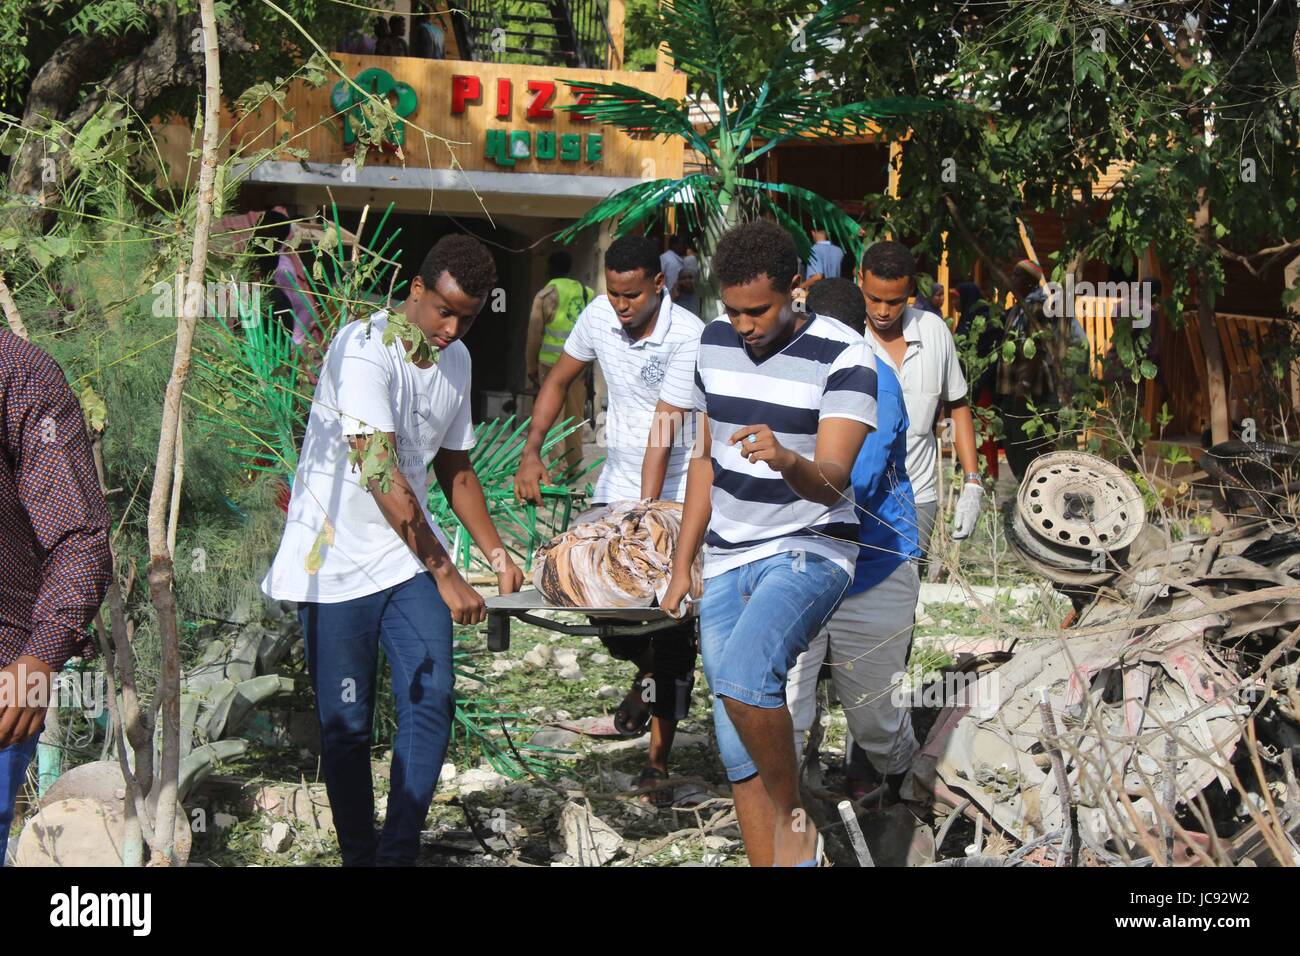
850 390
54 475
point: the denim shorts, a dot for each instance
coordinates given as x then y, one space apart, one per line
755 620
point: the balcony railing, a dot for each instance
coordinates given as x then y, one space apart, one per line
565 33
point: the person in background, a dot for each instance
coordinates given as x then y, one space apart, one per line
932 302
826 259
1062 349
355 41
556 308
867 639
785 398
645 344
688 282
54 550
282 270
383 40
919 349
364 558
427 40
394 43
971 307
681 271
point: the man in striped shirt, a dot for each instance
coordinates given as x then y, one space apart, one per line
787 398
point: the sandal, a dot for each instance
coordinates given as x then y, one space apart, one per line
650 784
632 717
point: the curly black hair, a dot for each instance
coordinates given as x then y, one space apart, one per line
889 260
467 261
840 299
753 249
629 253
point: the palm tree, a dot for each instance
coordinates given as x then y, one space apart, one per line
752 119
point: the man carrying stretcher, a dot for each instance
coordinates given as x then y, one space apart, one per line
644 343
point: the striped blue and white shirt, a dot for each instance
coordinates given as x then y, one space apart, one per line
824 371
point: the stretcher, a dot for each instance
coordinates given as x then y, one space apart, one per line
528 604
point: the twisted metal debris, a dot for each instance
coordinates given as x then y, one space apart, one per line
1171 706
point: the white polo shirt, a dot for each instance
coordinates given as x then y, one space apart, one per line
366 386
635 373
931 374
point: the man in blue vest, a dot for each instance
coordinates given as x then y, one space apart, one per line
869 635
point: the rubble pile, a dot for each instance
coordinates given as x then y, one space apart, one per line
1163 726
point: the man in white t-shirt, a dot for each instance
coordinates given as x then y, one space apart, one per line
645 344
361 553
921 351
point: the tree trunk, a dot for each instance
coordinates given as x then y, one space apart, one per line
159 65
75 62
1216 381
11 310
126 722
161 570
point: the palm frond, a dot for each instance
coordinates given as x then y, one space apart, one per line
799 113
637 110
794 207
638 204
702 42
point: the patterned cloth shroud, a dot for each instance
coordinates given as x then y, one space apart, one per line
621 557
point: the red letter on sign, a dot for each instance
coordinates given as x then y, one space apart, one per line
503 98
543 92
463 90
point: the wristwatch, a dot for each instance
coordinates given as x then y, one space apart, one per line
974 478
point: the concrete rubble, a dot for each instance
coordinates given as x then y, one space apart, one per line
588 840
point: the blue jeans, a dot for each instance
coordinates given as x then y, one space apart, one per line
411 622
13 770
755 620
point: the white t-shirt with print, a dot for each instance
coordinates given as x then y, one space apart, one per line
364 387
636 373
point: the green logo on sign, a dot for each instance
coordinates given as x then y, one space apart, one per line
354 106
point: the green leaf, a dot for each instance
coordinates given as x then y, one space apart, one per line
374 460
314 558
638 111
1029 348
93 407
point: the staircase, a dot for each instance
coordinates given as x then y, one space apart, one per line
565 33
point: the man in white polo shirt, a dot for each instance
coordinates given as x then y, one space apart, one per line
921 351
645 343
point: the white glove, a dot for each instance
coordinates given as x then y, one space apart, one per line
967 511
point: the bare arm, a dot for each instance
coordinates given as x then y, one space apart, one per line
532 473
401 509
667 425
821 479
542 311
456 475
695 519
963 433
